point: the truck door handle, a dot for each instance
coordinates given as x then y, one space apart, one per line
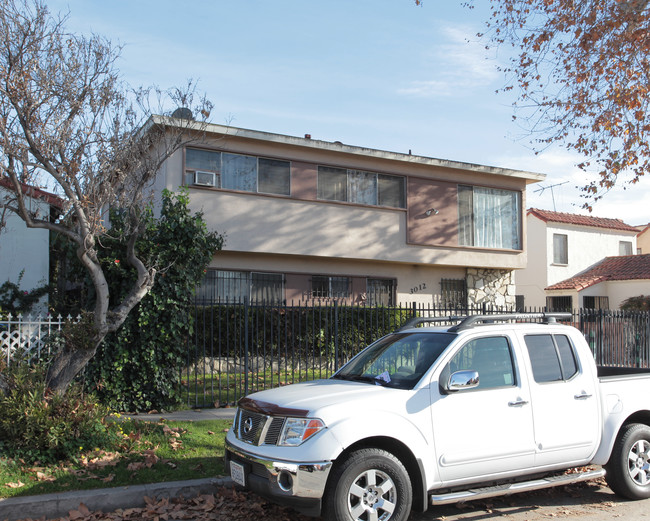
582 396
517 403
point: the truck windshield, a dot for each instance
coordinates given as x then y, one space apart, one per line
398 360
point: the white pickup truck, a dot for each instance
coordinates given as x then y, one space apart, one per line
487 406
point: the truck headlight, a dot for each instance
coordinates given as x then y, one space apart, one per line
298 430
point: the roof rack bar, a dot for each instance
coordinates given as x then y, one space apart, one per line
466 322
412 322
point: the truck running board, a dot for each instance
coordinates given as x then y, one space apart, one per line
514 488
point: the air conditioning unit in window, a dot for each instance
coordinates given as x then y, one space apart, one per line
206 179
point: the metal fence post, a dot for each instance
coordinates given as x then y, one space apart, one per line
336 336
246 346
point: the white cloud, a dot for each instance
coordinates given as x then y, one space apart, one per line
460 65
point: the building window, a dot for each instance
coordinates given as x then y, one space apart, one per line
235 286
560 303
595 302
454 293
360 187
323 286
489 218
381 292
238 172
560 249
625 248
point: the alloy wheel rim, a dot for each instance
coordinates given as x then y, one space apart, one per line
372 496
638 463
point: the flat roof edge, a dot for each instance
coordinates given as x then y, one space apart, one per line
337 146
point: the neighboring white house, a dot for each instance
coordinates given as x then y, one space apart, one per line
23 249
606 284
561 245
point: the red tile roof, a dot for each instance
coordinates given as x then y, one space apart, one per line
628 267
36 193
581 220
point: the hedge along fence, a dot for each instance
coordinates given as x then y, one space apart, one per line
241 348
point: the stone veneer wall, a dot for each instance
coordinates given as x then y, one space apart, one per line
492 287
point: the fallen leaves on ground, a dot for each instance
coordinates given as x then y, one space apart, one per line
227 504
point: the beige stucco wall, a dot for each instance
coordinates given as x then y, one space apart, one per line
643 241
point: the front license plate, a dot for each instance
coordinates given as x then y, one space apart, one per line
237 473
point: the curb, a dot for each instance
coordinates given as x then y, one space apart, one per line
105 499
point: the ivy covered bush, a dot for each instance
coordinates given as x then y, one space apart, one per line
137 368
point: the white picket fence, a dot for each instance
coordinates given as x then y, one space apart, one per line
26 337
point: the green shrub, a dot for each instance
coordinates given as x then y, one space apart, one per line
36 425
137 368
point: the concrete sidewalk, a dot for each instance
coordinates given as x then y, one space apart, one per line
109 499
189 415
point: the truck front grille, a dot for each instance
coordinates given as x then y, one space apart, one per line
258 429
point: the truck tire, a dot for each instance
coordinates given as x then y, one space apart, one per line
369 484
628 468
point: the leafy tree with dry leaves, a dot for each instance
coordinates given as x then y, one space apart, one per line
582 71
69 124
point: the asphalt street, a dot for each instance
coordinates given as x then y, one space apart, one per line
591 501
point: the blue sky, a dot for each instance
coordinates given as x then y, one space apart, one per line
382 74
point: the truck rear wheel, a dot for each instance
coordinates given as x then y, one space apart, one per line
371 484
628 468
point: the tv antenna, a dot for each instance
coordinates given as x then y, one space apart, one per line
550 187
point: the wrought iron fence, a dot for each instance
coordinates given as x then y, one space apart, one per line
237 349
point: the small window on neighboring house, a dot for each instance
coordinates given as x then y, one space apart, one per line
323 286
454 293
625 248
559 303
560 249
595 302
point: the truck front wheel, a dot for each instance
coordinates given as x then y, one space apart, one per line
371 484
628 468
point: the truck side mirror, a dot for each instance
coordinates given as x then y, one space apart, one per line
462 380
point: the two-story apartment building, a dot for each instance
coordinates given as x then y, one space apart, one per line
311 220
562 245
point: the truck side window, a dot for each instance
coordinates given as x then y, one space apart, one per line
490 357
551 357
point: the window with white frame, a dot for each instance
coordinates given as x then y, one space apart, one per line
489 217
238 172
361 187
625 248
560 248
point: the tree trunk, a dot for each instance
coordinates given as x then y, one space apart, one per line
67 364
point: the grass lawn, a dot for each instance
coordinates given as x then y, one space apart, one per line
164 451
